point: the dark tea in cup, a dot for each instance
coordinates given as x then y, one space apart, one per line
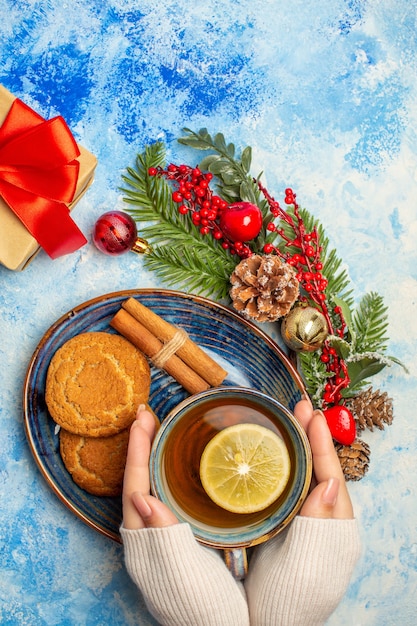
177 451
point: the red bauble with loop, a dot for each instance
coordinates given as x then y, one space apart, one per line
115 233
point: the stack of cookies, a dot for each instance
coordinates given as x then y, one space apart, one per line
95 383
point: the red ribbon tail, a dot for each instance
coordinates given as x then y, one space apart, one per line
49 222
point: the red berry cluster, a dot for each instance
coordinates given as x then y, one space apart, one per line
193 195
307 262
339 378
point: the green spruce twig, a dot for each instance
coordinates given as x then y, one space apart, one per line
179 256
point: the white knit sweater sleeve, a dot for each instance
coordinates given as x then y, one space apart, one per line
183 583
296 579
299 577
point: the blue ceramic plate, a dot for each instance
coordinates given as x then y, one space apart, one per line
251 358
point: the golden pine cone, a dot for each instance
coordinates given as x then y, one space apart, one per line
354 459
371 408
264 287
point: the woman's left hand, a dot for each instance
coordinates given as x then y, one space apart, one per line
329 498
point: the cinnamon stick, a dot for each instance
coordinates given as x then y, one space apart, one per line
189 352
143 339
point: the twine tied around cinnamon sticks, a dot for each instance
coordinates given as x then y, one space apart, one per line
168 347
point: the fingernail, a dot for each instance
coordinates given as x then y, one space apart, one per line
141 408
307 398
329 495
142 506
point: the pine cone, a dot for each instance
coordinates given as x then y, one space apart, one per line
371 408
264 288
354 459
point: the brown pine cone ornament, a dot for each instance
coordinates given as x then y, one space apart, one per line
264 288
354 459
371 408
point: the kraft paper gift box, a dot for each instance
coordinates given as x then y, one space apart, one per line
18 246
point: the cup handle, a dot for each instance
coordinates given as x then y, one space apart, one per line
236 560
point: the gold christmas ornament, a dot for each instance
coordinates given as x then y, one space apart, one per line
304 329
264 288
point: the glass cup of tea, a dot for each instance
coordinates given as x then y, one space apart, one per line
175 469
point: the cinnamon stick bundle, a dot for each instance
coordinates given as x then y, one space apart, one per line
189 352
150 345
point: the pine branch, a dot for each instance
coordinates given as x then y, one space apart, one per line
314 374
179 255
194 268
370 323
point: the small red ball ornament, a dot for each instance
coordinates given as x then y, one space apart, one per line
341 424
115 233
241 221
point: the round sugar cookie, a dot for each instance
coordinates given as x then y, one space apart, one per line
95 383
96 464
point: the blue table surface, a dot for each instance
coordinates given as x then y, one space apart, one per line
325 93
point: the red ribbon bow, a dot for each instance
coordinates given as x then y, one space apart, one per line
38 177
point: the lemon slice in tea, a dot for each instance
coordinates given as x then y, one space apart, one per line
245 468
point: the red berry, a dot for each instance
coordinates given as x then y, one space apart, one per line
268 248
152 171
176 196
241 221
341 424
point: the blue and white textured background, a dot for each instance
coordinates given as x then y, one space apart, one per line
325 92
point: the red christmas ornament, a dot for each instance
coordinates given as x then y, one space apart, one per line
341 424
241 221
115 233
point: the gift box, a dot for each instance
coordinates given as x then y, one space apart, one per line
43 174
